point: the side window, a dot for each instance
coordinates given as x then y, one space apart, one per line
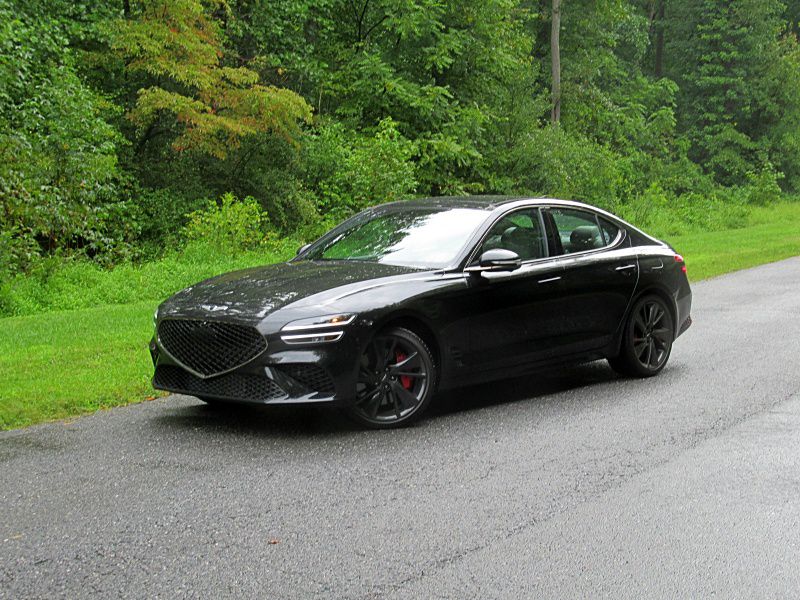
578 230
610 231
519 232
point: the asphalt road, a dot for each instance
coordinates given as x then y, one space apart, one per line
579 484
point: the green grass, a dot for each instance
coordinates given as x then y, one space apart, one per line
62 364
772 234
65 363
82 284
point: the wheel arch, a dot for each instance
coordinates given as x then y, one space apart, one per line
649 290
663 293
419 325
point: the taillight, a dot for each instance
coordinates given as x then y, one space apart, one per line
679 259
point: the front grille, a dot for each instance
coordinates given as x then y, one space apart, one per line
232 386
312 377
210 347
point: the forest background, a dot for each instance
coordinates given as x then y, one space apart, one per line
134 132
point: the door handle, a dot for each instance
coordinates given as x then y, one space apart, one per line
551 279
625 267
659 267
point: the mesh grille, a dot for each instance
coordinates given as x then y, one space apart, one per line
210 347
233 386
314 378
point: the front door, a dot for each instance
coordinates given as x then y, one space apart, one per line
512 315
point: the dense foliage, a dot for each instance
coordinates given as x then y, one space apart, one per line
132 127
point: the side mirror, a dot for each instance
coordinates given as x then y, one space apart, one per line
495 260
302 249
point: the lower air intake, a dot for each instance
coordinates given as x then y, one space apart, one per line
233 386
312 377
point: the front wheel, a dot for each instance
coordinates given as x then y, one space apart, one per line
646 340
396 380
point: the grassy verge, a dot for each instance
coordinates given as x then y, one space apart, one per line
772 234
60 364
82 284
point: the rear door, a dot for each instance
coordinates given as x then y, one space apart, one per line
599 278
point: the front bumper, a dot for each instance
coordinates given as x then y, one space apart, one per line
284 374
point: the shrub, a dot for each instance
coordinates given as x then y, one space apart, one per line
58 284
663 215
351 171
230 224
17 252
563 165
164 214
763 188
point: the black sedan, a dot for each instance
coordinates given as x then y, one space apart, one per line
408 298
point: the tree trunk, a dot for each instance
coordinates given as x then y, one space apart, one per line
658 69
555 53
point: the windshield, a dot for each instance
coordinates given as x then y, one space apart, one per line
427 238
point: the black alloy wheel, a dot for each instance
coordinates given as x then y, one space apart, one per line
647 339
396 380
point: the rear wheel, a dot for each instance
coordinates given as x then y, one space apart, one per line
396 380
646 340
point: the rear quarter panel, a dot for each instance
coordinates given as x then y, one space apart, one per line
660 273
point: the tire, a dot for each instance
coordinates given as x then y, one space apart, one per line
396 381
646 339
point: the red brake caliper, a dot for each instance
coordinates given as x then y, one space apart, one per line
405 380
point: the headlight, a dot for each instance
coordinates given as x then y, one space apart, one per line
319 322
316 330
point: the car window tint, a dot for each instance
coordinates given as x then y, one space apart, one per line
519 232
577 230
610 231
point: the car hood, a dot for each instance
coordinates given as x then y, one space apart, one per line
252 294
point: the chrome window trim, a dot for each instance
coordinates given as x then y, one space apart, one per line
621 234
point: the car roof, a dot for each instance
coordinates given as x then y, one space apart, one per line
444 202
487 202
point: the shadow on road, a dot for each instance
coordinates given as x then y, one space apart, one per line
522 389
301 421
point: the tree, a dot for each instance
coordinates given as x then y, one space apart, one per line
178 47
724 57
59 177
555 57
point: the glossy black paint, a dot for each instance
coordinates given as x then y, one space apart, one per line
480 325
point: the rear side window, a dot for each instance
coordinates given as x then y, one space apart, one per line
579 231
609 230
